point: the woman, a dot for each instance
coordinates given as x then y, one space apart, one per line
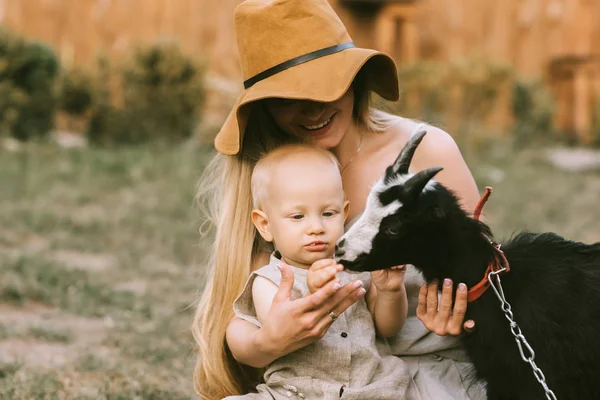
306 81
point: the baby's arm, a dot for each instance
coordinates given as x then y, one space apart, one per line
387 302
263 292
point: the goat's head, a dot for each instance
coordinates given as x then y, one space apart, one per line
402 215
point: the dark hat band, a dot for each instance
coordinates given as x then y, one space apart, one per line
295 61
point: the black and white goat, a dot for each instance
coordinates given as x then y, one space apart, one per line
553 284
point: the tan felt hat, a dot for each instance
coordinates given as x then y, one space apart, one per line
297 49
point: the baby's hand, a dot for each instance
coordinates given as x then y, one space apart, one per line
321 272
389 280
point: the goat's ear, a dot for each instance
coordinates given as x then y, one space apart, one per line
402 163
414 186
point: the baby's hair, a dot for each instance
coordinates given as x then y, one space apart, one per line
264 168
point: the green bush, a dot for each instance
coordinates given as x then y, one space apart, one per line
156 95
424 91
28 71
462 95
533 109
481 82
76 92
465 90
12 100
161 92
108 123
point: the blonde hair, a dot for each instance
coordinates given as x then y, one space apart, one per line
224 194
265 167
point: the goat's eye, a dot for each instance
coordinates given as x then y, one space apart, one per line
392 230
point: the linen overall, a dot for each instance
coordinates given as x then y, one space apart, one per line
349 362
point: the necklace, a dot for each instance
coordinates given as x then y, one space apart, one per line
354 156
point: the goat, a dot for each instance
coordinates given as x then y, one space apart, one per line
553 284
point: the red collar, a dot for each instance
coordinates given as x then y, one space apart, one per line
498 263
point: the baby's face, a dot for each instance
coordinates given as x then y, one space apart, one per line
305 208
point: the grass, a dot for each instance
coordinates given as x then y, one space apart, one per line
43 332
530 194
8 369
49 334
100 260
102 246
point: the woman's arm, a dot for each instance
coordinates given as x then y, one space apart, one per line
289 324
241 337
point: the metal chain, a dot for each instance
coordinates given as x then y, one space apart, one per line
522 343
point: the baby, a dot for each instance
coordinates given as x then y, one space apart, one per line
299 206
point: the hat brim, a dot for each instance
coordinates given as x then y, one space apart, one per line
323 79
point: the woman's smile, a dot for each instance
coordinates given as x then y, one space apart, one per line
321 128
323 123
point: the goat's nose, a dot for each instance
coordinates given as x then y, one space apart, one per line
339 251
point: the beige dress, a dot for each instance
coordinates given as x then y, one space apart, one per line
349 362
439 368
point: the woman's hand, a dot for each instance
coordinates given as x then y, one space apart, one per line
445 320
292 324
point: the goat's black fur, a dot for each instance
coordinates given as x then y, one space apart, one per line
553 287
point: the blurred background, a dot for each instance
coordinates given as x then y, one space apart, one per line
107 113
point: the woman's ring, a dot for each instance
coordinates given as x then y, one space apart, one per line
332 316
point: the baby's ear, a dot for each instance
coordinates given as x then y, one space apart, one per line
261 222
346 209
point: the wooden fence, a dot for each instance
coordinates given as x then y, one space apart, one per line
531 35
558 40
81 29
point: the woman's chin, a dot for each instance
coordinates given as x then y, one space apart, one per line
326 142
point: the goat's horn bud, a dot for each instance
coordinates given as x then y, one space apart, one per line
405 157
414 186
